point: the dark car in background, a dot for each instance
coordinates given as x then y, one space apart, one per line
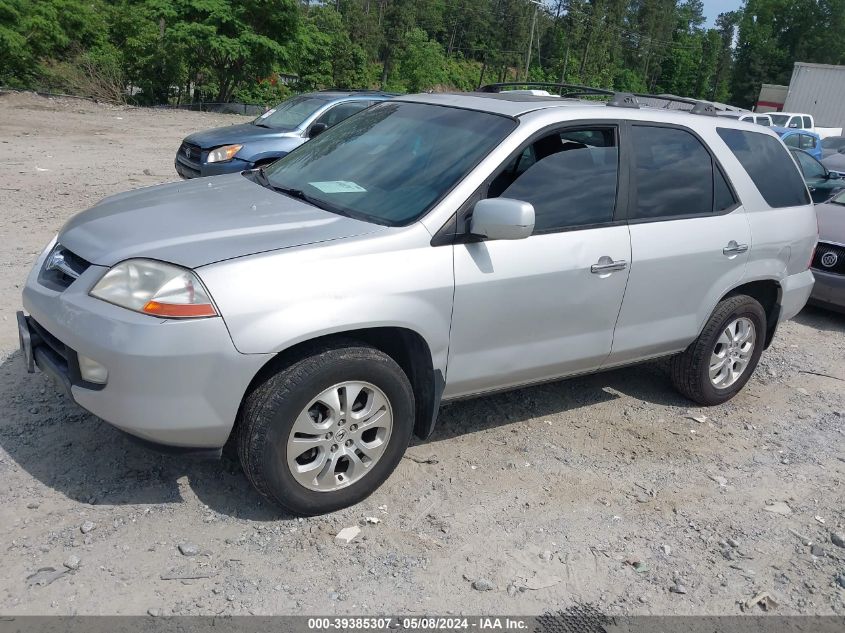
829 259
821 182
234 148
833 145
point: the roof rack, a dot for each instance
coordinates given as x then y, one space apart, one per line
358 90
618 99
572 90
698 107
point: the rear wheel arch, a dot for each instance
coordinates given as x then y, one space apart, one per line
405 346
768 293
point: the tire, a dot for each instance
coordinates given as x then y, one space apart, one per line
690 370
281 402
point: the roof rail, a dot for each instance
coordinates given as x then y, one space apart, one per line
571 90
618 99
357 90
698 107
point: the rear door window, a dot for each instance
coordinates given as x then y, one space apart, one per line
342 111
808 123
674 175
769 165
807 142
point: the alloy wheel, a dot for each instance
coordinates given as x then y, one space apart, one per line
338 438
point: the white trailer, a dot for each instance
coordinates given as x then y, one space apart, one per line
819 90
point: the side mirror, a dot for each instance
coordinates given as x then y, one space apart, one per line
317 129
502 219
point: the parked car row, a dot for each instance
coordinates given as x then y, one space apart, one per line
801 121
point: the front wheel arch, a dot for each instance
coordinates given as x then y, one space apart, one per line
405 346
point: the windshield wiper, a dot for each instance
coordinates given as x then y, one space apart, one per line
262 125
299 194
260 177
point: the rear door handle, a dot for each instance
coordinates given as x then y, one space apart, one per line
734 249
607 265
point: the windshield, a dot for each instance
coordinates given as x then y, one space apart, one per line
780 119
290 114
390 163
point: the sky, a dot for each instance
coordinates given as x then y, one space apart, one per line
712 9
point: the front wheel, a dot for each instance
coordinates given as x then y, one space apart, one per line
324 432
716 366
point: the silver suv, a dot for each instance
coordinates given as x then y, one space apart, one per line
318 312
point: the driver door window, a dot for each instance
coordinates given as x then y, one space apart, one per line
569 177
810 167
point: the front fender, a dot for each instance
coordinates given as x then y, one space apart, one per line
392 278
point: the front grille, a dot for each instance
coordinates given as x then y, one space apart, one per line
830 258
61 268
190 155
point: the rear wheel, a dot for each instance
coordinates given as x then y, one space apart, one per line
324 432
716 366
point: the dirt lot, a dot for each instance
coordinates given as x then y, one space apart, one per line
608 489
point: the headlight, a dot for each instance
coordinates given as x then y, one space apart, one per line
222 154
155 288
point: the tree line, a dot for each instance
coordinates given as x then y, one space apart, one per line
260 51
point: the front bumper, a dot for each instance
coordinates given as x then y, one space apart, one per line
192 169
177 383
829 291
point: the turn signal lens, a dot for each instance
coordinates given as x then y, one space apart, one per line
155 288
172 310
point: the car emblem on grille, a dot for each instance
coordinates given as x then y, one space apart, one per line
56 261
829 259
188 152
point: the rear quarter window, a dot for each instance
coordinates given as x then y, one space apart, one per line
769 165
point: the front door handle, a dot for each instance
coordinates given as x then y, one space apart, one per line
734 249
607 265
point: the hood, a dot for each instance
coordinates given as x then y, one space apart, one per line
230 134
201 221
831 222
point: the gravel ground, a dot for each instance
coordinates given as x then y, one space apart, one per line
608 489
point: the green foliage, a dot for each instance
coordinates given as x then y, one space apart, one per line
773 34
419 64
326 57
160 51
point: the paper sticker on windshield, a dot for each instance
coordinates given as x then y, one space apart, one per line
338 186
268 113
